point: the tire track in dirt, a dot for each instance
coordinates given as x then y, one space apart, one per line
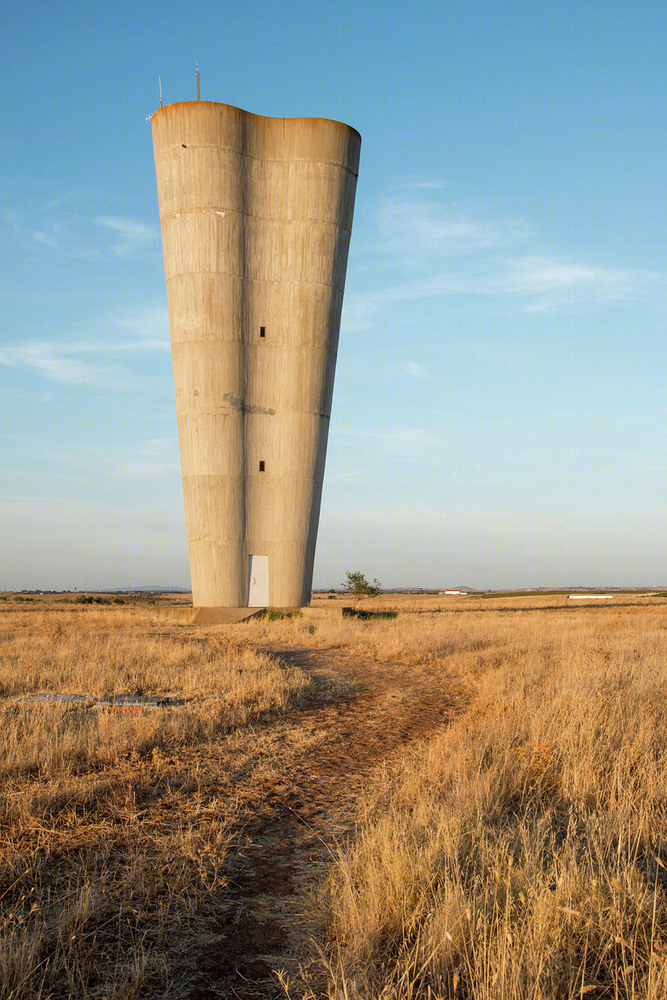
299 800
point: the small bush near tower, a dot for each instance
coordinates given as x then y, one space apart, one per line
358 586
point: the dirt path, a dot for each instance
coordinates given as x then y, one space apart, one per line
299 795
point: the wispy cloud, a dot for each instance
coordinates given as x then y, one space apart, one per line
417 371
413 224
144 459
432 247
68 226
549 283
145 321
95 361
145 469
131 231
402 435
46 241
52 363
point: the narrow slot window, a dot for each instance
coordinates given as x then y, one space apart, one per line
262 331
261 465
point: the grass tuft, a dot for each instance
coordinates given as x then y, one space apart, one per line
116 822
520 854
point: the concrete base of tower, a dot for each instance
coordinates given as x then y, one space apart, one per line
184 614
229 616
223 616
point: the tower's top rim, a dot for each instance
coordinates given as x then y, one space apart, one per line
232 107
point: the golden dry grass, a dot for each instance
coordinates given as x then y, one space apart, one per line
112 832
521 852
517 854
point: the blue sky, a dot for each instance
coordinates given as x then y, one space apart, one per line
499 411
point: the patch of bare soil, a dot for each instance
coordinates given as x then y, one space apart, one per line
298 795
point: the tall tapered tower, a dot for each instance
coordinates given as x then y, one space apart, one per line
256 215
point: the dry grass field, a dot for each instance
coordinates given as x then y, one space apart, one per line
467 801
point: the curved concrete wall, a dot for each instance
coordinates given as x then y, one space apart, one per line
256 215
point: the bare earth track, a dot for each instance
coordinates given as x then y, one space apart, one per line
298 800
308 798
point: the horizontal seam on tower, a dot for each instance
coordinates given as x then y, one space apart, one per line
260 347
274 281
245 475
260 159
285 411
248 215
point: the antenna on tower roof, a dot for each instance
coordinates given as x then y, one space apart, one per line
159 80
197 72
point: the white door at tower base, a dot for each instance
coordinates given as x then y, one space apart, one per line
258 581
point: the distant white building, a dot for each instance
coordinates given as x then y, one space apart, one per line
592 597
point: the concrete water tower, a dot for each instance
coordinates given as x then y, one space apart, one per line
256 215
